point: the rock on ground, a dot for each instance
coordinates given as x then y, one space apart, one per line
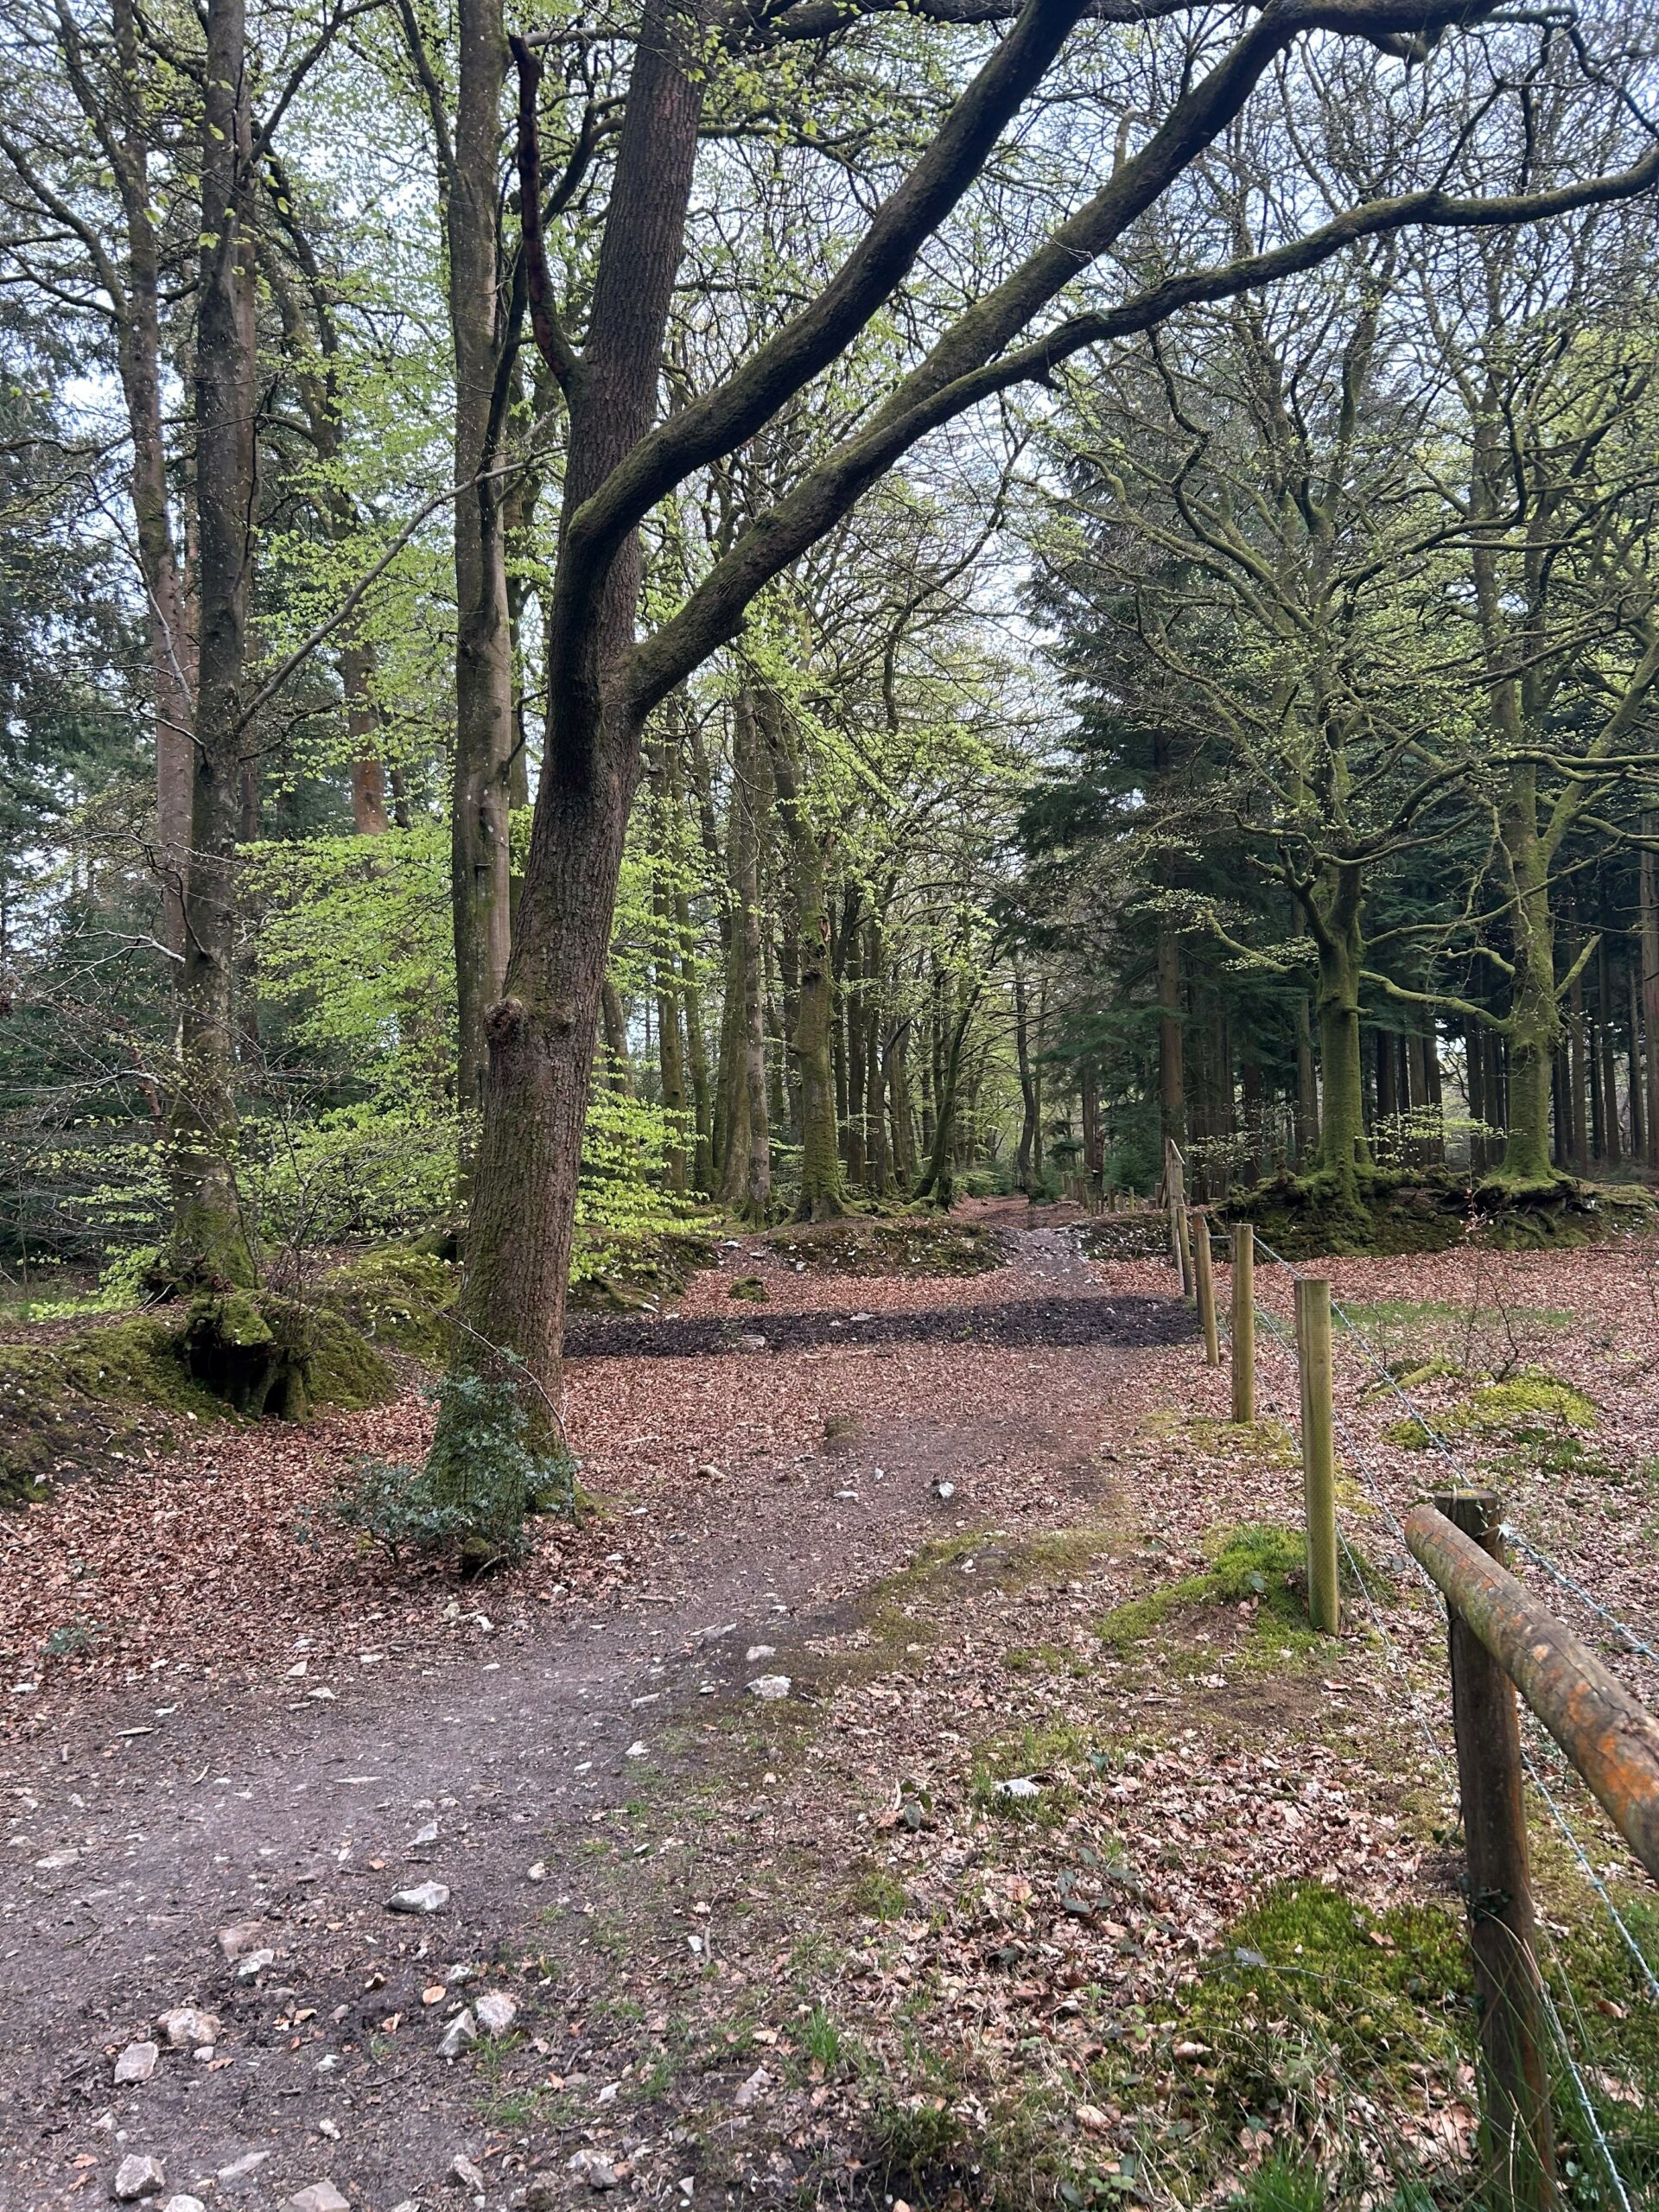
136 2063
136 2178
424 1898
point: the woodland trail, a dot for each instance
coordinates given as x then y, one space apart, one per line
137 1831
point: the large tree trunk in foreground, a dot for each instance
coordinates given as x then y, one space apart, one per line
540 1032
479 857
210 1242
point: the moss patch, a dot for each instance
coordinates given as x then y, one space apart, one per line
1258 1561
1430 1210
920 1242
398 1299
106 1393
620 1274
1308 1990
1532 1407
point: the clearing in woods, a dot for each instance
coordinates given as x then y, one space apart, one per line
987 1531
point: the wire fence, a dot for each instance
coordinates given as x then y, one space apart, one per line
1356 1459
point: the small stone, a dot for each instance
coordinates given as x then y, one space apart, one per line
461 2035
710 1474
136 2178
1020 1786
751 2091
328 2127
236 1942
424 1898
184 2204
637 1750
136 2063
598 2173
57 1862
747 1342
760 1652
944 1489
769 1685
423 1836
186 2028
251 1968
537 1871
321 2196
463 2171
496 2013
249 2163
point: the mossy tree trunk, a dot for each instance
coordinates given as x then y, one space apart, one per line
824 1194
1335 924
209 1242
939 1183
1534 1003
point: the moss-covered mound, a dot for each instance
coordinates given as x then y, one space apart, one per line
1432 1209
108 1392
112 1391
911 1242
266 1355
400 1300
625 1274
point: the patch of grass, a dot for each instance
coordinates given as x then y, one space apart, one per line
1532 1412
879 1896
1258 1561
1052 1755
821 2039
1283 2184
1311 1997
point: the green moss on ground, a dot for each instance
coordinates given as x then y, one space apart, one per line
918 1242
1403 1211
617 1273
399 1299
77 1400
1309 2002
1257 1561
91 1398
1531 1411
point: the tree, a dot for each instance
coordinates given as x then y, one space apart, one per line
603 681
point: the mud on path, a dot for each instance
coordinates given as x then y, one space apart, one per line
588 1781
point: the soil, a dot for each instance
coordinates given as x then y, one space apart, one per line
139 1829
762 1951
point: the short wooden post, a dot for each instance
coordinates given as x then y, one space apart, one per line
1243 1322
1205 1274
1175 1198
1184 1249
1517 2138
1319 1451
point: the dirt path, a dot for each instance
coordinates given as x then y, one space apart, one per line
137 1829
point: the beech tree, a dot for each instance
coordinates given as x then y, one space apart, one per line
626 456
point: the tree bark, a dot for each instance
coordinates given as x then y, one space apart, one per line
1172 1070
481 857
823 1192
210 1242
1650 962
1027 1089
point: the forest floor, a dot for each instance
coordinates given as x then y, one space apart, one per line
756 1946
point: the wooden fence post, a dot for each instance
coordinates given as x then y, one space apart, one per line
1184 1249
1243 1322
1204 1272
1319 1451
1175 1198
1517 2135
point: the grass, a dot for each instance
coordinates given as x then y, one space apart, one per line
1258 1561
1531 1417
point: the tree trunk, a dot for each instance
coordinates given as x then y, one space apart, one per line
479 855
1536 1014
1608 1144
1307 1087
878 1152
1651 980
616 1039
745 1184
1577 1064
1027 1088
1474 1061
1344 1154
1639 1118
1172 1073
210 1242
858 1169
937 1182
822 1194
901 1106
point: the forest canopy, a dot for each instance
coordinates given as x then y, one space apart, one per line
724 613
